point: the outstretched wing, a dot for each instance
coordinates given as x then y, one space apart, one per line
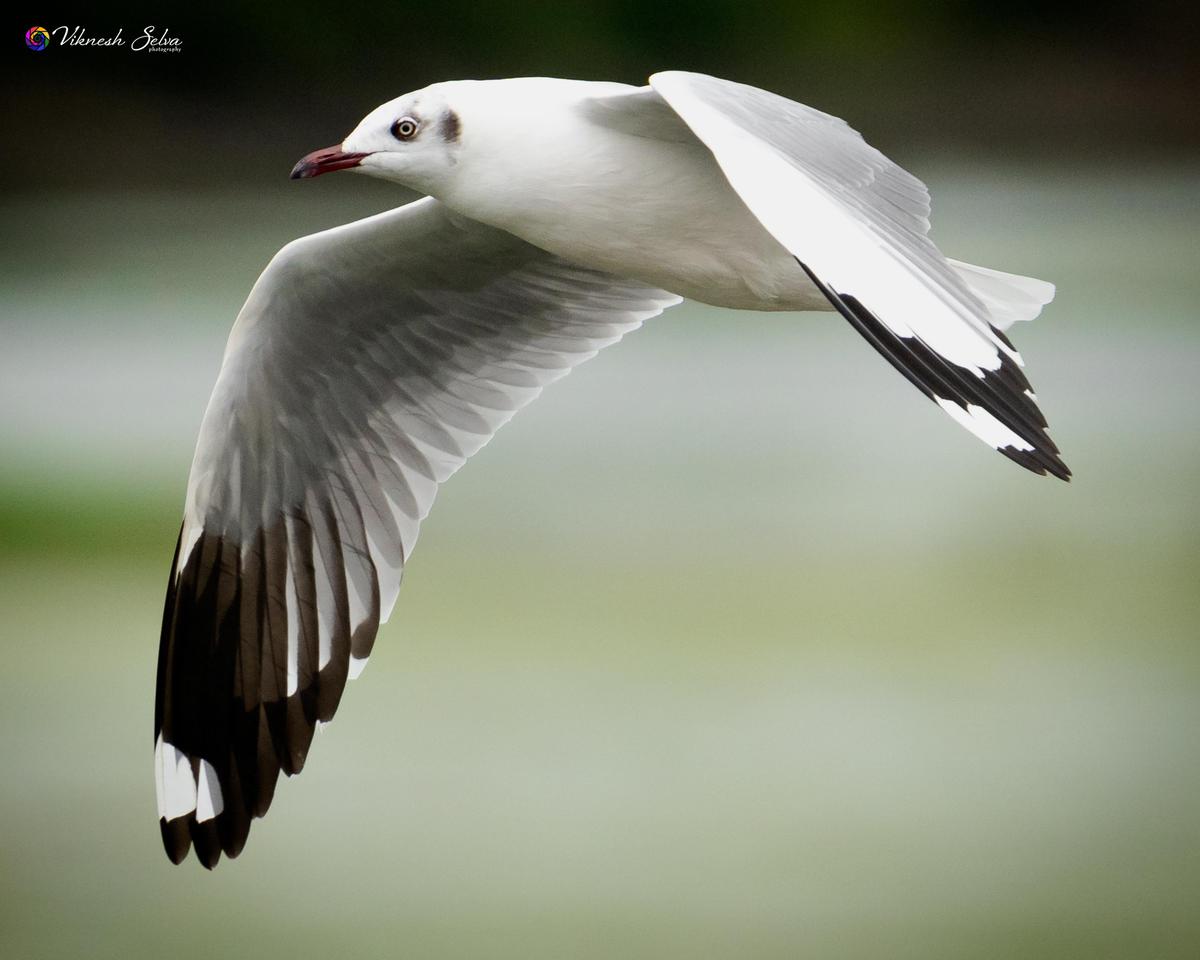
858 224
369 362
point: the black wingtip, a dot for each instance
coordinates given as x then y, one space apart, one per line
231 712
1046 465
207 841
1003 394
177 841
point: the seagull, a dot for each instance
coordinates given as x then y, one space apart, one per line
371 360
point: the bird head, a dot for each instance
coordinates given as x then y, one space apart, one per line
413 140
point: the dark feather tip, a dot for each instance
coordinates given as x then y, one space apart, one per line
175 837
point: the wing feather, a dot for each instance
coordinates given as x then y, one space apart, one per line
368 364
858 224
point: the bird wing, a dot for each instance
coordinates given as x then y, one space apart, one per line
858 224
368 363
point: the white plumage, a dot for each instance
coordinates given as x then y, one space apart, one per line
372 360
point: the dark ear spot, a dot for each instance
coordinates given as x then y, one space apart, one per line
449 127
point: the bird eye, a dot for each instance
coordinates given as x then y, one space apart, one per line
404 129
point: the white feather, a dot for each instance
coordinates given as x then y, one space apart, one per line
1009 297
986 427
177 785
210 802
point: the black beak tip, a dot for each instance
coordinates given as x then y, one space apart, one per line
301 171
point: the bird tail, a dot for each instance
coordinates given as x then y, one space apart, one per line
1008 296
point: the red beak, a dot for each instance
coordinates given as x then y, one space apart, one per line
325 161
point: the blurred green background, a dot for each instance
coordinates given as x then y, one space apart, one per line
730 646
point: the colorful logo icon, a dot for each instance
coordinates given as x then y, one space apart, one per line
36 38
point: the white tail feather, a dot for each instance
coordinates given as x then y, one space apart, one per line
1008 296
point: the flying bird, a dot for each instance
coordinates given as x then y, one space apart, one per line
371 360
